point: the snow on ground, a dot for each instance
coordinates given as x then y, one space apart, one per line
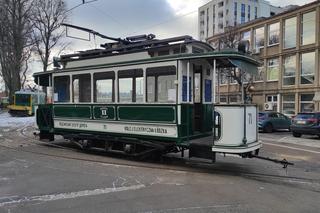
6 120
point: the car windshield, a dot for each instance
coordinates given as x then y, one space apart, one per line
305 115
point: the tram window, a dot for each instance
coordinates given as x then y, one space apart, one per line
151 81
81 85
139 89
62 89
160 84
131 85
197 88
104 87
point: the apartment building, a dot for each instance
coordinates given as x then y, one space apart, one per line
218 14
288 45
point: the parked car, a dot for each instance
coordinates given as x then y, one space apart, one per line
271 121
290 114
307 123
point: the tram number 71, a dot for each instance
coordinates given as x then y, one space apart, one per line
250 118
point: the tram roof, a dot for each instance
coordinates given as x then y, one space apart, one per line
224 58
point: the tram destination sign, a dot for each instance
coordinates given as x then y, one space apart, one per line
119 127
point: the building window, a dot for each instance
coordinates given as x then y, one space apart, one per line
273 69
220 4
223 76
289 70
308 25
288 104
290 32
260 75
255 12
223 99
273 32
243 13
307 68
273 99
259 38
249 13
306 103
246 36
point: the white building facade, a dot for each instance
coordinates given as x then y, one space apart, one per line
214 16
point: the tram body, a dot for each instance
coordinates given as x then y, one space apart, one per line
160 98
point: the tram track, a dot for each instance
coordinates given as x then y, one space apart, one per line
181 165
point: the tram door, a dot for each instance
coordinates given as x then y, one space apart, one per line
197 114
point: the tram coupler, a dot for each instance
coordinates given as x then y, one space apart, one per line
283 162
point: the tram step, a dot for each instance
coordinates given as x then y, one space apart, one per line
201 151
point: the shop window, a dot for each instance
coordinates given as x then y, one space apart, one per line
62 89
130 85
104 87
160 84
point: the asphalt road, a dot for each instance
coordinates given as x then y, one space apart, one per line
39 178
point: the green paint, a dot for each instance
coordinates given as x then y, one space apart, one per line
148 113
44 117
72 111
186 127
207 117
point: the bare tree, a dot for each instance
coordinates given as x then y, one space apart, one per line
47 15
15 41
230 38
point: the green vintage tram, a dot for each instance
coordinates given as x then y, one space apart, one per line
148 96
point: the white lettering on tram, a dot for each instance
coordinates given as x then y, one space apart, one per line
138 129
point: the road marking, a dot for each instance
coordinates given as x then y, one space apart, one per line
69 195
305 150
